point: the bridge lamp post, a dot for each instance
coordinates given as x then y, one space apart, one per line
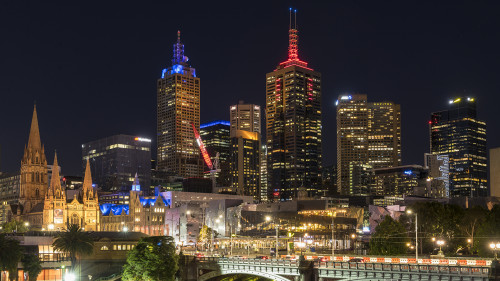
409 212
495 247
440 243
333 236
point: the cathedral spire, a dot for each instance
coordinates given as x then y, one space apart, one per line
34 138
136 186
87 182
55 182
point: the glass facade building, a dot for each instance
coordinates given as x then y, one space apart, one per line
215 136
115 160
457 133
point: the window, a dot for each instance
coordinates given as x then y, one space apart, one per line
104 248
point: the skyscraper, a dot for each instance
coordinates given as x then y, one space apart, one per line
293 125
458 133
245 149
384 139
368 136
245 117
352 138
116 159
178 106
215 136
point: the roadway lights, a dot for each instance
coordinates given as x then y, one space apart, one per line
409 212
50 226
268 218
495 247
440 243
70 276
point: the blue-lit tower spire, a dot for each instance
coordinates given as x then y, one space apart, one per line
178 88
179 57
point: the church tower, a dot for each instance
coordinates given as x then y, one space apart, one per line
54 209
90 203
34 177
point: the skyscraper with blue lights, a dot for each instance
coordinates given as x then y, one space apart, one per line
178 106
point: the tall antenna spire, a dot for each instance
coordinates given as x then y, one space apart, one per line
179 57
293 38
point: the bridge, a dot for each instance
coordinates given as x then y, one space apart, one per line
214 268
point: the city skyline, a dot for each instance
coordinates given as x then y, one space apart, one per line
95 106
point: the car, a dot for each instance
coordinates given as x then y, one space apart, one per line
262 257
199 255
357 260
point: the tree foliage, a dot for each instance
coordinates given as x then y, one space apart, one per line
488 231
32 265
152 259
74 241
13 226
10 255
390 238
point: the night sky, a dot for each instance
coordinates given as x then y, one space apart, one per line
92 67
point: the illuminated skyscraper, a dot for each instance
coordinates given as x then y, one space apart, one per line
458 133
293 125
368 136
215 136
352 139
384 139
245 149
245 117
178 105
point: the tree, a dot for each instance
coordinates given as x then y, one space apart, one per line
14 226
205 235
152 259
472 221
75 242
32 265
488 231
390 238
10 255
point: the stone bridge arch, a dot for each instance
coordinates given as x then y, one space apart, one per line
217 273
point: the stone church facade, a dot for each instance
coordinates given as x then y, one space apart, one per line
44 206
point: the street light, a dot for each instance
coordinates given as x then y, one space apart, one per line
495 247
416 234
440 244
50 226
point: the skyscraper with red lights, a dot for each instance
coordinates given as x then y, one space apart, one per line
293 124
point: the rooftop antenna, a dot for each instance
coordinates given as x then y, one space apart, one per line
295 18
290 26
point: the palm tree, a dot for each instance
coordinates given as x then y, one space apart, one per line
10 255
75 242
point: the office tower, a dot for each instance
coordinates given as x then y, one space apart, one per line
34 179
352 138
245 117
115 160
215 136
368 136
399 180
384 138
458 133
245 163
293 125
178 106
495 172
263 174
245 149
439 173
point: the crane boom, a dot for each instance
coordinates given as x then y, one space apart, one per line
203 150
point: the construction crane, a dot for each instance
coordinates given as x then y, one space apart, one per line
212 167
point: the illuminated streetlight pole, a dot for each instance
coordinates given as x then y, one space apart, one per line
440 244
495 247
416 234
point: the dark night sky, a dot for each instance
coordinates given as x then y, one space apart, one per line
92 66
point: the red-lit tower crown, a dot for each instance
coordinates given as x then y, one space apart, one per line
293 45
